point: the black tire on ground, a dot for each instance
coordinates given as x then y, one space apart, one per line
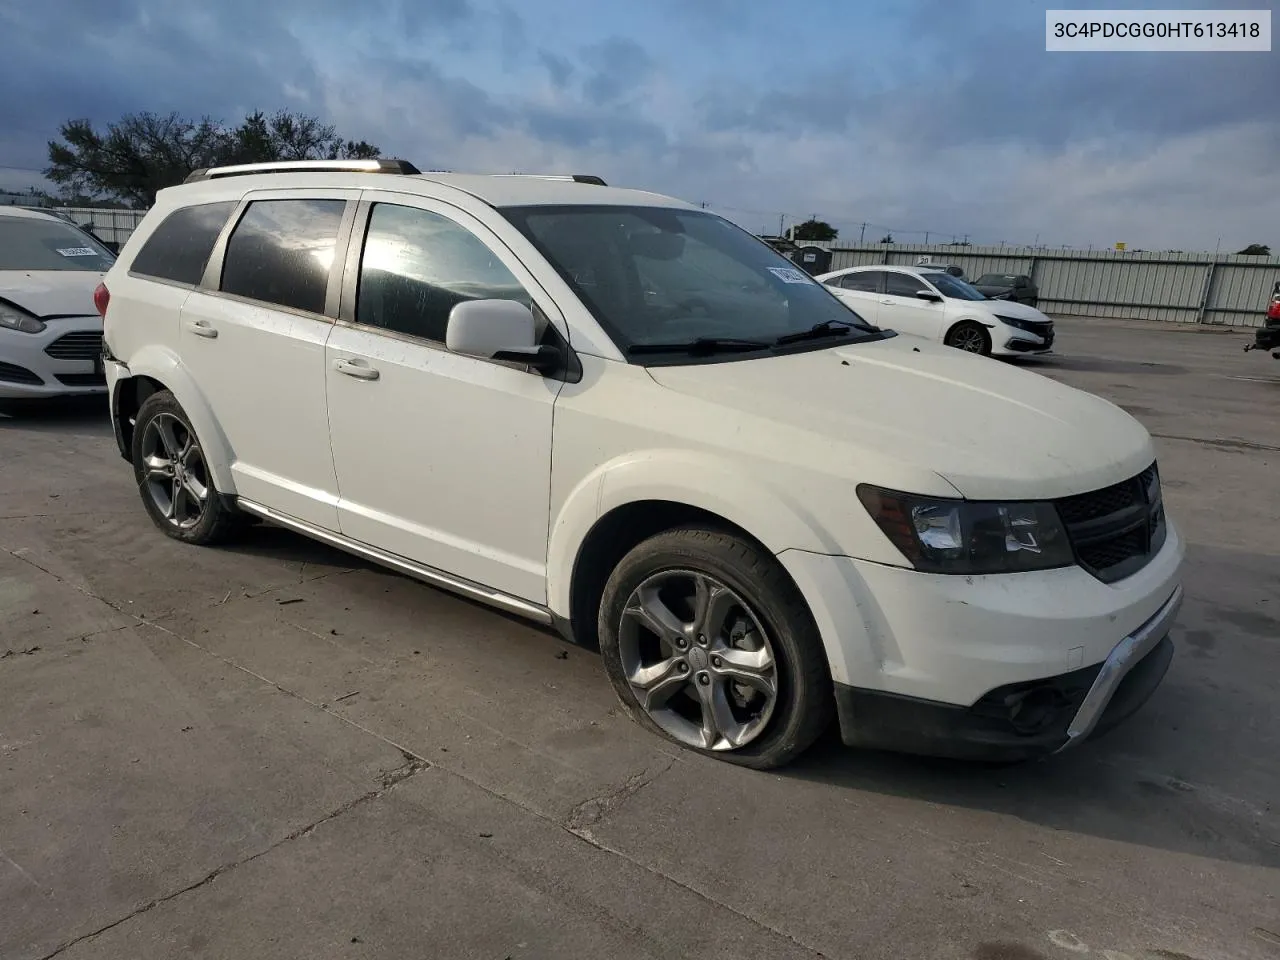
804 704
215 521
970 337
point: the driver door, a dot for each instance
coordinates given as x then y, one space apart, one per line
902 310
441 458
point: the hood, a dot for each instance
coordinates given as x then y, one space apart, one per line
991 430
51 293
1019 311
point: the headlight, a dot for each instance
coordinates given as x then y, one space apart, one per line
970 537
1031 326
11 318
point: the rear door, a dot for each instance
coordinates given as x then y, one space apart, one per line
861 292
254 339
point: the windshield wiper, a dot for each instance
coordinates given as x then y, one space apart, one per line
827 328
702 345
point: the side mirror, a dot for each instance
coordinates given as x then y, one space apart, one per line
928 295
498 330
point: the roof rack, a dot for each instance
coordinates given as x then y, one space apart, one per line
305 166
574 177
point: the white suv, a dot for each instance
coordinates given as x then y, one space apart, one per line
929 302
619 414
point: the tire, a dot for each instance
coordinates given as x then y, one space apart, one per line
970 337
758 635
163 436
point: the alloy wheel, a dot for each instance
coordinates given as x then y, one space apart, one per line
968 339
175 475
698 660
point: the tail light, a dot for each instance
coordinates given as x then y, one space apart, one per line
101 298
1273 311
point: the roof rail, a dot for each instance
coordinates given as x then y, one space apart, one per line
304 166
574 177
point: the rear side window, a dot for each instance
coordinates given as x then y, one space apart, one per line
867 281
281 252
179 248
417 266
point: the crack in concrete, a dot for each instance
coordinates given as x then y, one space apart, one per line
591 811
412 765
1225 444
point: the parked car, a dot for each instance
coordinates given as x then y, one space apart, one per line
763 517
50 332
926 303
1267 336
951 268
1008 286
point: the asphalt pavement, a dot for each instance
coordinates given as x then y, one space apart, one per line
273 750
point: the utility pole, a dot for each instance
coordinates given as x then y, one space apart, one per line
704 204
781 217
926 238
863 234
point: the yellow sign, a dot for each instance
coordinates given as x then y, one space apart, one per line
1120 245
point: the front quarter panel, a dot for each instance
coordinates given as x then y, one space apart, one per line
621 438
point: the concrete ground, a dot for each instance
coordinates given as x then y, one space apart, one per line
271 750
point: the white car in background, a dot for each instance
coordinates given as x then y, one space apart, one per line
50 330
928 302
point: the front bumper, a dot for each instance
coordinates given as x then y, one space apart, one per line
1023 720
62 360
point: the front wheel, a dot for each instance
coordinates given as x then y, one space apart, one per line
707 642
970 337
173 475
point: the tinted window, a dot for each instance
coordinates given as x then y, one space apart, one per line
868 281
417 265
281 252
179 248
902 285
35 243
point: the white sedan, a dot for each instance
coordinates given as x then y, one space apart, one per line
50 330
930 303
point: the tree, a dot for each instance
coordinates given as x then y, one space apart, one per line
1255 250
814 229
887 238
141 154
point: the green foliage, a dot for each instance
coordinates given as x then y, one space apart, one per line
143 153
814 229
1255 250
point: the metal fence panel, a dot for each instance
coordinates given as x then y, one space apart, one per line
1173 286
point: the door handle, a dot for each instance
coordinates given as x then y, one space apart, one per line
886 300
202 328
353 369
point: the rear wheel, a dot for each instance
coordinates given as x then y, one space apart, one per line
970 337
707 642
173 476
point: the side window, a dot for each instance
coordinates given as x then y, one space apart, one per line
179 248
281 252
902 285
1022 282
868 281
417 265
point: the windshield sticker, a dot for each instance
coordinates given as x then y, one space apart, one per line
790 275
77 251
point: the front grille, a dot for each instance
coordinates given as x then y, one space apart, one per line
82 379
1116 531
81 345
12 373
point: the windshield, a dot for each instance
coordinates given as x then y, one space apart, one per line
34 243
653 276
997 279
953 288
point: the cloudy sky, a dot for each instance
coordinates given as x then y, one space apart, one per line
913 115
